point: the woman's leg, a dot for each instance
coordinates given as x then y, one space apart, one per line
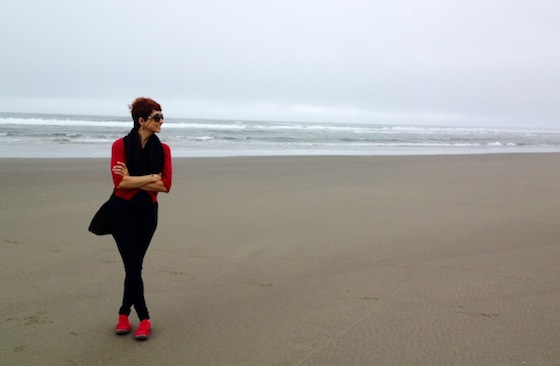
146 220
133 224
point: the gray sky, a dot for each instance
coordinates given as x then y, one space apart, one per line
476 62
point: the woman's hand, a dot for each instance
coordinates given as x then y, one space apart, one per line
121 169
149 182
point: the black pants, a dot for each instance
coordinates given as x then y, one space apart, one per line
133 224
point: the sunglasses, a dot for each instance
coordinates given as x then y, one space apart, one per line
156 117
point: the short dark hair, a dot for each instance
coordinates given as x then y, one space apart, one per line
142 108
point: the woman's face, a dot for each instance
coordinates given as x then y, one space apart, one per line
154 121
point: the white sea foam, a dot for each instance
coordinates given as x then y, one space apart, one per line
39 133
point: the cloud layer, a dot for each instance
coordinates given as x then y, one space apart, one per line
435 61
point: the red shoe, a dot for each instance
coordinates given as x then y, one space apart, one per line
143 331
123 326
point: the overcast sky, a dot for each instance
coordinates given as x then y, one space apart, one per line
476 62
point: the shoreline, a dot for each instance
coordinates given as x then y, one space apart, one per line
89 151
428 260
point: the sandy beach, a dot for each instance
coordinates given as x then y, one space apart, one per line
418 260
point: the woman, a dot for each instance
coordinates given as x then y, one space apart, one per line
141 168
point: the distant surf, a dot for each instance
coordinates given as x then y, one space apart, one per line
44 135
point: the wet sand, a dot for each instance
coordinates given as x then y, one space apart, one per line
420 260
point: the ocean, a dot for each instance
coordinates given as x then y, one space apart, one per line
58 136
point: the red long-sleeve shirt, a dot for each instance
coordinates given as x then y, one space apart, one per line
118 154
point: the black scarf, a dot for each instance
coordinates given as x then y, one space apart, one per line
143 161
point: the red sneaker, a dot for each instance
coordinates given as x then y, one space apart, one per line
123 326
143 331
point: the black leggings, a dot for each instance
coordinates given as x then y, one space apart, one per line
133 224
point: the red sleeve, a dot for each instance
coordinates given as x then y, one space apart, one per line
167 170
117 154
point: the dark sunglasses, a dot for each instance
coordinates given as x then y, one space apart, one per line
156 117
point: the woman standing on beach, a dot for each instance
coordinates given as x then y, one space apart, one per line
141 168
